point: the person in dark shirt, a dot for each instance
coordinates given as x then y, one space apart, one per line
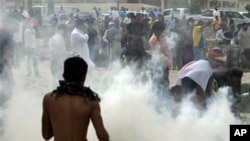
231 24
135 29
231 78
92 42
134 33
235 34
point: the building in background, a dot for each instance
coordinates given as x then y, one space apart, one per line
133 4
228 4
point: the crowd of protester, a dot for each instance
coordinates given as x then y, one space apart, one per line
137 39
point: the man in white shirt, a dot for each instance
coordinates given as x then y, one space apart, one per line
220 34
58 54
18 37
30 45
79 42
115 14
216 12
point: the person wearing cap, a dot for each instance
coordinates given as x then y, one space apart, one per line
231 78
105 36
244 43
217 58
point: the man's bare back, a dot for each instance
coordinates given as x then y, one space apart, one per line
68 110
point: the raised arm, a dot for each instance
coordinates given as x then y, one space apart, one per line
80 37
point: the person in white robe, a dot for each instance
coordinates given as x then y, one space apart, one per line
79 42
31 49
58 54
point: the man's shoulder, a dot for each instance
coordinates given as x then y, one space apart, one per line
48 95
198 27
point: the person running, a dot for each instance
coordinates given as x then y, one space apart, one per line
68 110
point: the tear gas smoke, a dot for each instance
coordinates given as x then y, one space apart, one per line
128 108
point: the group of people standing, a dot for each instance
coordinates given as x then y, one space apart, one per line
208 68
78 105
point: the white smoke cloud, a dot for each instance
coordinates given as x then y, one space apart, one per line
130 113
130 109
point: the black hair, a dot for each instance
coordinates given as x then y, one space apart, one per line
158 25
79 22
239 26
236 72
75 68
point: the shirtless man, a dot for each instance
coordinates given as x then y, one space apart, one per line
68 110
